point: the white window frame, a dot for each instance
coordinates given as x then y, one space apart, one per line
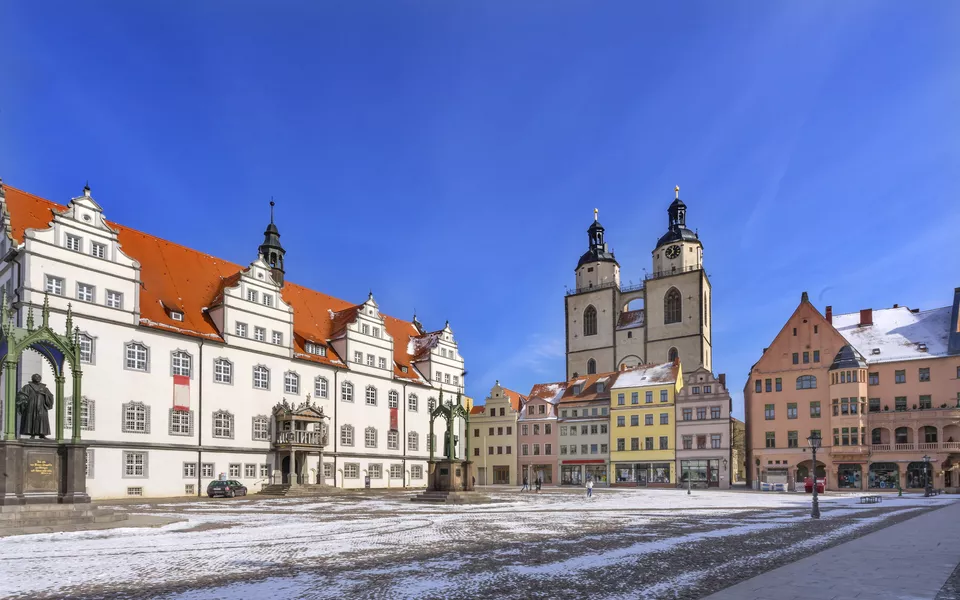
358 357
222 371
135 362
135 465
181 363
98 250
267 299
223 425
261 377
370 395
114 299
53 285
73 242
382 362
260 334
181 422
277 338
370 437
393 439
86 292
252 295
88 356
346 391
413 403
321 386
393 399
261 429
291 383
240 329
346 435
413 441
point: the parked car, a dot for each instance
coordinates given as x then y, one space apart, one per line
228 488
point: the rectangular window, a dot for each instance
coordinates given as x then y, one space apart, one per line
874 404
98 250
85 292
179 422
73 243
758 386
134 464
768 385
768 412
375 470
548 449
815 410
648 397
707 389
687 442
250 471
634 444
365 329
621 421
715 440
792 441
536 449
603 449
267 300
241 329
189 470
634 397
900 403
664 418
648 419
252 295
524 450
621 444
900 377
648 443
687 414
792 410
779 384
806 357
382 363
695 389
714 412
54 285
351 470
446 377
771 439
620 400
816 356
634 420
114 299
265 470
926 402
663 396
796 358
277 338
664 442
206 470
260 334
701 413
701 442
924 374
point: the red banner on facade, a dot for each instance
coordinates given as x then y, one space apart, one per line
181 392
393 419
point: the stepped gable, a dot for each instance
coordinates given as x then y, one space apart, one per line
190 281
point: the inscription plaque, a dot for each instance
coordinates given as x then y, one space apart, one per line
40 470
444 471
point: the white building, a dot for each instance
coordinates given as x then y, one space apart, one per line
186 355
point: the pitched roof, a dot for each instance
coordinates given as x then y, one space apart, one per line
516 398
177 276
588 387
549 392
897 333
630 319
648 375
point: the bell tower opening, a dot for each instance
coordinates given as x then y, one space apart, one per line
271 250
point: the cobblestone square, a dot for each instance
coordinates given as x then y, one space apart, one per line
556 544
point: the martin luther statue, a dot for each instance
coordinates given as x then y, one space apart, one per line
33 402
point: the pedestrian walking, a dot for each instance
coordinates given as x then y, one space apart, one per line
526 485
589 488
539 483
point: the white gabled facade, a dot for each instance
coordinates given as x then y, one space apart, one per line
234 357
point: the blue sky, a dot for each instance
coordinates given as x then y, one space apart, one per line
449 155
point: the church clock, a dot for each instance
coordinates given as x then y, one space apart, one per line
673 251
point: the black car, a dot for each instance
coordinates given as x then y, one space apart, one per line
228 488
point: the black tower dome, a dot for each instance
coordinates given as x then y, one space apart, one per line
597 251
677 223
271 250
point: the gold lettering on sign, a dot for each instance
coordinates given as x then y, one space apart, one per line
41 467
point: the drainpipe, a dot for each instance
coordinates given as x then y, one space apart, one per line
200 423
334 433
403 400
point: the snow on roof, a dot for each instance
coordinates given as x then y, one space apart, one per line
647 375
549 392
630 319
601 379
897 333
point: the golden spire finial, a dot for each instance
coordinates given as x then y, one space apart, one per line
596 214
676 190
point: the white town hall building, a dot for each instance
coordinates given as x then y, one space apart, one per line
186 357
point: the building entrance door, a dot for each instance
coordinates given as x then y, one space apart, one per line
501 475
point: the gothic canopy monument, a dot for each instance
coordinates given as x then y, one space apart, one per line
42 466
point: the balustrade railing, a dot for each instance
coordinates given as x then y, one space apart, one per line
300 438
899 447
922 447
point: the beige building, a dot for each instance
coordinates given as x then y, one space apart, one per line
611 326
738 451
494 440
703 430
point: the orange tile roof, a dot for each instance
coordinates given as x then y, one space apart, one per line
178 277
589 389
478 410
516 399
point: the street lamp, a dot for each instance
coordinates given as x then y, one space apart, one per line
926 476
814 441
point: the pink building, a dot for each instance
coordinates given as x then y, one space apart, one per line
881 387
538 435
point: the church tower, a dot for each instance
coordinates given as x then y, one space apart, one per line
677 298
591 307
271 251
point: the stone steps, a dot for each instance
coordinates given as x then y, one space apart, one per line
275 489
14 519
451 497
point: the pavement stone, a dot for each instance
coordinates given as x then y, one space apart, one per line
917 559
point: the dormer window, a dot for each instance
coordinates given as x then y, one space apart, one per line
403 369
875 351
922 347
72 242
576 389
176 315
599 388
314 348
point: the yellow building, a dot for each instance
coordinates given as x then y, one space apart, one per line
642 425
493 440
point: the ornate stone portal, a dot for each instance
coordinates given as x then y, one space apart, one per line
38 469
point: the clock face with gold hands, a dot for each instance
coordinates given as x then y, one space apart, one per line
673 251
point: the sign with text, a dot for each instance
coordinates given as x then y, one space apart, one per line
40 470
181 392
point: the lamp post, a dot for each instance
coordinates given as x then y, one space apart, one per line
814 441
926 476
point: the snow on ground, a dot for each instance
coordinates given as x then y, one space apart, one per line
258 538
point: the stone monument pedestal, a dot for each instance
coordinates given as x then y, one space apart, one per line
451 482
37 471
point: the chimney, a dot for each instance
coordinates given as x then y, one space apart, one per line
722 377
896 306
830 315
866 316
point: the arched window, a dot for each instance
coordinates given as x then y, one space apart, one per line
223 371
371 396
181 363
291 383
320 387
136 418
346 391
223 424
431 404
261 377
902 435
412 404
806 382
929 434
137 357
876 435
346 435
370 437
413 441
673 354
393 399
671 306
591 367
590 321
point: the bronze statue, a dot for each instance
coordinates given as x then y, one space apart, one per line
33 402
